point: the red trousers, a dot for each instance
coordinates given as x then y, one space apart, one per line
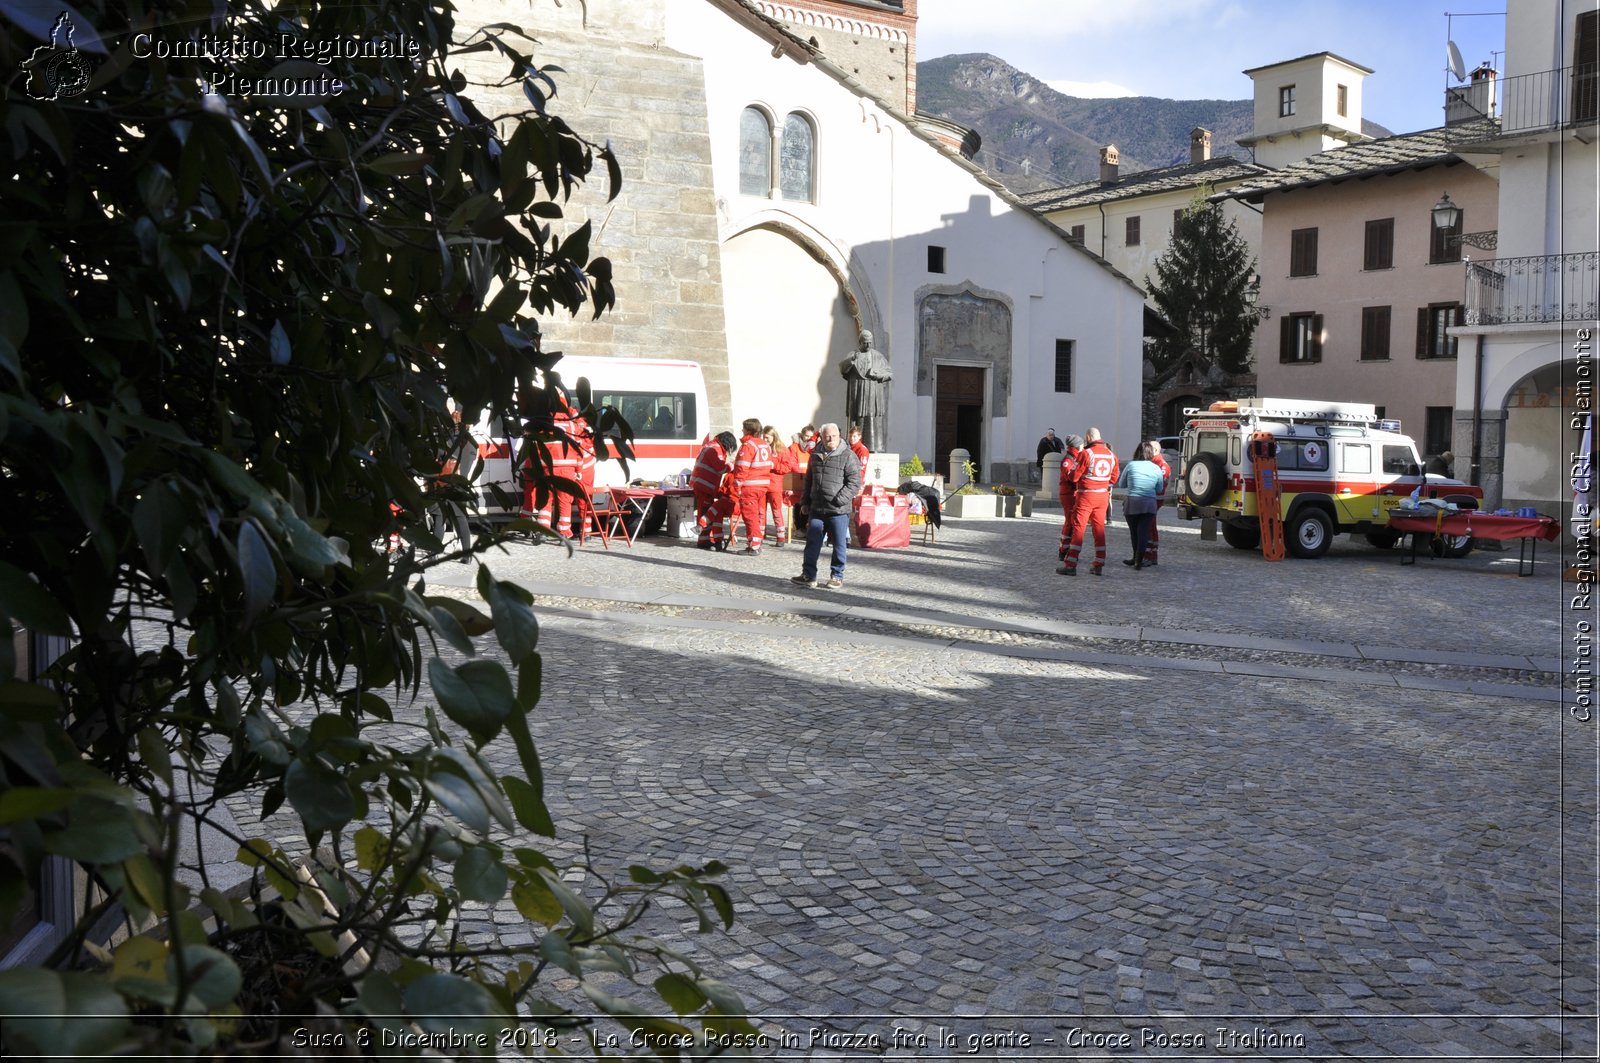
1089 511
753 511
711 509
1068 522
774 505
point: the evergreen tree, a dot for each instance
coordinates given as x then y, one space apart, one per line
1201 287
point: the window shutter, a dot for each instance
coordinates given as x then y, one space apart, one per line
1424 319
1316 332
1388 243
1285 338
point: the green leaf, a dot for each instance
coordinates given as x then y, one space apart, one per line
97 832
372 848
256 566
447 1003
680 993
472 620
515 624
477 695
480 876
27 702
535 901
445 623
576 907
398 163
461 798
278 347
214 979
158 523
321 796
528 805
71 1015
31 802
30 604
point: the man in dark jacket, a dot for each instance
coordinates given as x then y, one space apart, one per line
833 478
1049 444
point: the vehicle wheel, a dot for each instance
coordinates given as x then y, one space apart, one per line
1205 479
1309 533
1461 501
1242 536
1384 540
1452 545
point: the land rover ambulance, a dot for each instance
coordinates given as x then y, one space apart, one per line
1341 468
663 401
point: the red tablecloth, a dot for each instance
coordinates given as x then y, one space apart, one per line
1481 525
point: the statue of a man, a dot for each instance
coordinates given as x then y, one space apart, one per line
866 400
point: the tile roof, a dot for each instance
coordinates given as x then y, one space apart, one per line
1144 183
1408 151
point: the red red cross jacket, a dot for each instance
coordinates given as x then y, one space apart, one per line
752 467
1097 469
710 468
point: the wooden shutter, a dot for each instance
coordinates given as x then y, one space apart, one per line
1586 68
1302 252
1286 338
1424 319
1379 251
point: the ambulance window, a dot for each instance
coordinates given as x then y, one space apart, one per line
1397 460
1355 457
1210 443
1235 451
654 415
1309 454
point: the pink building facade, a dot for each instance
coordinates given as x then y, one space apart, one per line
1360 288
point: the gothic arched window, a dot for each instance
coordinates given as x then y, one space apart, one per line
797 161
755 153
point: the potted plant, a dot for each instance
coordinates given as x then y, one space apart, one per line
968 500
914 471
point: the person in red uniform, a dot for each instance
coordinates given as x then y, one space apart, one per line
752 476
861 451
571 457
1068 491
782 465
1151 546
712 504
1097 471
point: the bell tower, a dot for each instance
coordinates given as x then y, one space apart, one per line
874 41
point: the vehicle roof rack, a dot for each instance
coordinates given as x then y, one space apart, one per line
1299 410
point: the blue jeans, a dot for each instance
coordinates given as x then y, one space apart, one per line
837 527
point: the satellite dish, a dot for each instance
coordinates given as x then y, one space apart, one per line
1457 67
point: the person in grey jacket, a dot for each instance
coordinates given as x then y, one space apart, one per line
833 479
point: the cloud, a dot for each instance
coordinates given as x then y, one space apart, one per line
1092 90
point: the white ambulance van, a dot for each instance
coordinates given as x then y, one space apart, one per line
664 402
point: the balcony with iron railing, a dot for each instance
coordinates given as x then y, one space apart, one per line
1546 101
1538 289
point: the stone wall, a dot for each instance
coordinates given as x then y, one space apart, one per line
660 233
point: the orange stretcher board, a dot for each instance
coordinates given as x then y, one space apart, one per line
1269 494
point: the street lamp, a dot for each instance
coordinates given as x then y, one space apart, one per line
1447 218
1252 296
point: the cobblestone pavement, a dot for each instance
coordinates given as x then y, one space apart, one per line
1220 808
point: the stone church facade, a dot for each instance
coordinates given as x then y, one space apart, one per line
779 196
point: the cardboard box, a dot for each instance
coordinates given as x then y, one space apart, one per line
680 518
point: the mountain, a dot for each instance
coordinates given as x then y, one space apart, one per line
1035 137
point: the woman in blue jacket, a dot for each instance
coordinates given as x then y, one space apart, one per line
1145 483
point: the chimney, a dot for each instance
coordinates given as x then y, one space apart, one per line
1108 164
1199 145
1473 100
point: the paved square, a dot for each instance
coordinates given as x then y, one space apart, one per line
1225 807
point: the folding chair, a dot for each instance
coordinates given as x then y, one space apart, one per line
608 517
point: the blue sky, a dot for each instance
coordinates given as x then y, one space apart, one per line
1196 49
